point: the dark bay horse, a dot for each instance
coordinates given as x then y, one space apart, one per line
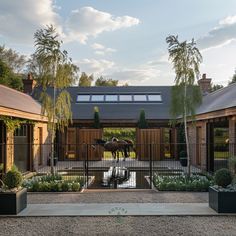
114 146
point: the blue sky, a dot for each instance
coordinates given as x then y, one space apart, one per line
125 40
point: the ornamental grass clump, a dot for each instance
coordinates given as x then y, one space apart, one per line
223 177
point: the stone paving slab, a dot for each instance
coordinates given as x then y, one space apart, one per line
121 209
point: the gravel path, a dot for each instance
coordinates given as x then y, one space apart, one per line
129 196
210 226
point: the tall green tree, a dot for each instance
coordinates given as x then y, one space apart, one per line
142 123
85 80
233 80
13 59
58 72
101 81
9 78
215 87
186 96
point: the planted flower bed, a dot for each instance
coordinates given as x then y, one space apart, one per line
54 183
195 183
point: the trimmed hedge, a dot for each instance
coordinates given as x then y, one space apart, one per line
53 183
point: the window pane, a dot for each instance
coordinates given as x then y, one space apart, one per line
140 98
97 98
83 98
155 98
111 98
126 98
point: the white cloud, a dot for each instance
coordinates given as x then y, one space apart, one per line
221 35
101 49
87 21
20 19
96 67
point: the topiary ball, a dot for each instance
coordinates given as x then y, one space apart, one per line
13 179
223 177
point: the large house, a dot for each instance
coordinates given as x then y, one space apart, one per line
212 139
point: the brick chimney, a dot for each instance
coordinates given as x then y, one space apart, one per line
205 84
29 84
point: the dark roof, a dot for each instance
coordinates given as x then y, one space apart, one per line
14 99
117 110
218 100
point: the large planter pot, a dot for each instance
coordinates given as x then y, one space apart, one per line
11 203
222 202
183 161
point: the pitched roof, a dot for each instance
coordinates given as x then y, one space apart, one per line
16 100
120 110
218 100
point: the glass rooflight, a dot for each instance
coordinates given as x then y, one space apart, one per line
140 98
83 98
111 98
97 98
126 98
154 98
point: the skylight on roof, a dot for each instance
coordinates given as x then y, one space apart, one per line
126 98
83 98
97 98
111 98
140 98
154 98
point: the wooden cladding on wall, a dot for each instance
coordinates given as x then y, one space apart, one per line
86 138
148 143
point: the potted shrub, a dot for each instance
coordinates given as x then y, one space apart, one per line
223 194
13 198
183 158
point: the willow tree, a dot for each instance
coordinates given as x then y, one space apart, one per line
57 73
186 95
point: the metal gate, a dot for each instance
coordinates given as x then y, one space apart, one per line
122 173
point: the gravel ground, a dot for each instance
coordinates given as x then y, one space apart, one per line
93 196
164 225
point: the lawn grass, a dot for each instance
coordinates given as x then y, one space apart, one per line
218 155
108 155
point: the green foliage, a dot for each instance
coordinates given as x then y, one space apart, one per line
223 177
101 81
97 124
142 123
182 102
11 123
85 80
13 178
124 133
53 183
215 87
57 71
181 183
14 60
9 78
233 80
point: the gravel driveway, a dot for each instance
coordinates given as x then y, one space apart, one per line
199 226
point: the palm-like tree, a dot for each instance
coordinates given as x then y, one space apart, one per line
186 96
58 72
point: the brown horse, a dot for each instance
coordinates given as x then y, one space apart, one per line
114 147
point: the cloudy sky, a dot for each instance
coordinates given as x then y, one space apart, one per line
125 40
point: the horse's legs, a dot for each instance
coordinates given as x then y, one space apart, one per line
117 154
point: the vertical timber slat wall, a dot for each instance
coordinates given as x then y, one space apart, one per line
87 137
145 137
